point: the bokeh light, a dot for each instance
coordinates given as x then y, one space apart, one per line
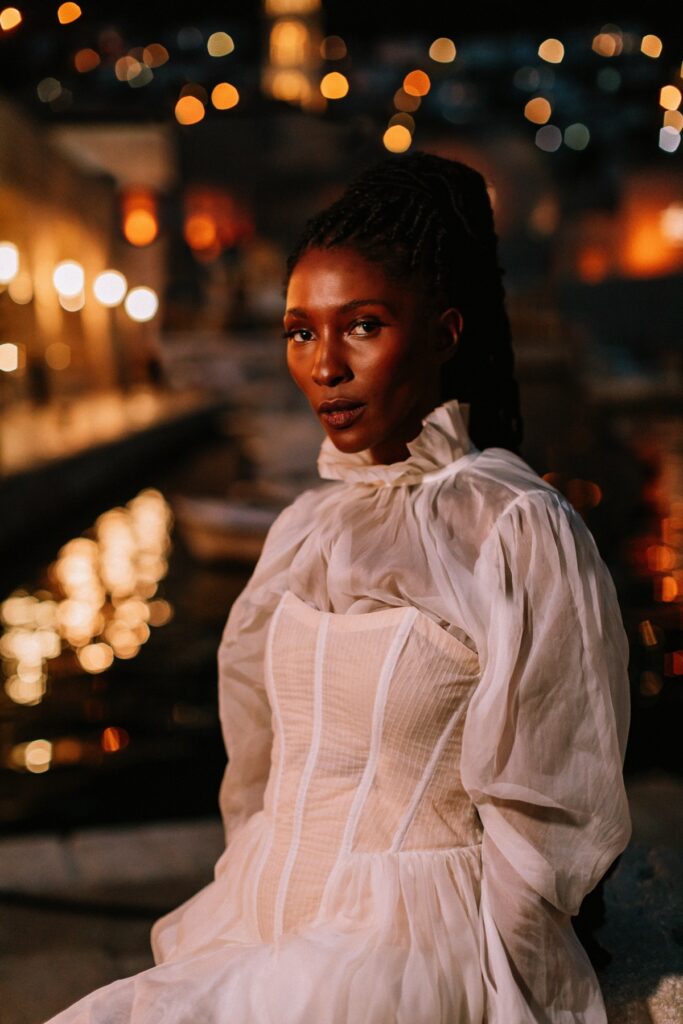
48 89
549 138
10 17
200 231
417 83
58 355
651 46
189 110
66 13
333 48
673 119
405 119
443 50
9 357
9 261
72 303
68 278
95 657
397 138
551 50
538 110
20 288
670 97
114 739
224 96
155 55
220 44
86 60
669 139
334 86
141 303
576 136
140 224
403 101
110 287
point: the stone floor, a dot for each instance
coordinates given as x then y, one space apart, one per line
76 910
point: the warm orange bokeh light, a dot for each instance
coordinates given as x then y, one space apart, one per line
644 253
583 494
551 50
538 110
660 558
213 220
140 227
67 13
334 86
224 96
114 739
397 138
140 222
402 101
291 86
417 83
86 60
200 231
10 17
592 264
189 110
665 589
155 55
607 44
290 42
670 97
651 46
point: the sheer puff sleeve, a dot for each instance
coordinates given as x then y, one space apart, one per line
244 709
542 756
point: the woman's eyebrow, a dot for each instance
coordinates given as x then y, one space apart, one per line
353 304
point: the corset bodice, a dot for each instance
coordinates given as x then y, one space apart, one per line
367 714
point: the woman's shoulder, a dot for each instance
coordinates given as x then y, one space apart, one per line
499 481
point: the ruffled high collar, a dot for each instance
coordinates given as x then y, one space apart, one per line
442 442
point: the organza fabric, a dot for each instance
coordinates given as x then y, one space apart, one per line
424 698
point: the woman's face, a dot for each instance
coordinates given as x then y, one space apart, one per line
368 345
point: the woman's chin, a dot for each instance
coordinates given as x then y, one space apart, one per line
348 441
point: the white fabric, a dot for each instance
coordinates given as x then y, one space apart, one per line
424 696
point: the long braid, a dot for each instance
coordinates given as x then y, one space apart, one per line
424 217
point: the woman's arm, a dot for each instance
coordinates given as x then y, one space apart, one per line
543 752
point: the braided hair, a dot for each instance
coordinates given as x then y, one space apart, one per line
429 221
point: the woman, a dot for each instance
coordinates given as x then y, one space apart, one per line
423 687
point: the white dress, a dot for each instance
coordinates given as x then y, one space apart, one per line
424 697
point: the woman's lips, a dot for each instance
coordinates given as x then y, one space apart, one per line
341 418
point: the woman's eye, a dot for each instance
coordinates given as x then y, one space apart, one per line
291 335
367 326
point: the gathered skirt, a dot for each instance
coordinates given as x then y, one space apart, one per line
396 942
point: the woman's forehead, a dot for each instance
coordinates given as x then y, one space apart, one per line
343 274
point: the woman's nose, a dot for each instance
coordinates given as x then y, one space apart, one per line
330 367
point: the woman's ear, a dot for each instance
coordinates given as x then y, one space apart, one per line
449 328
